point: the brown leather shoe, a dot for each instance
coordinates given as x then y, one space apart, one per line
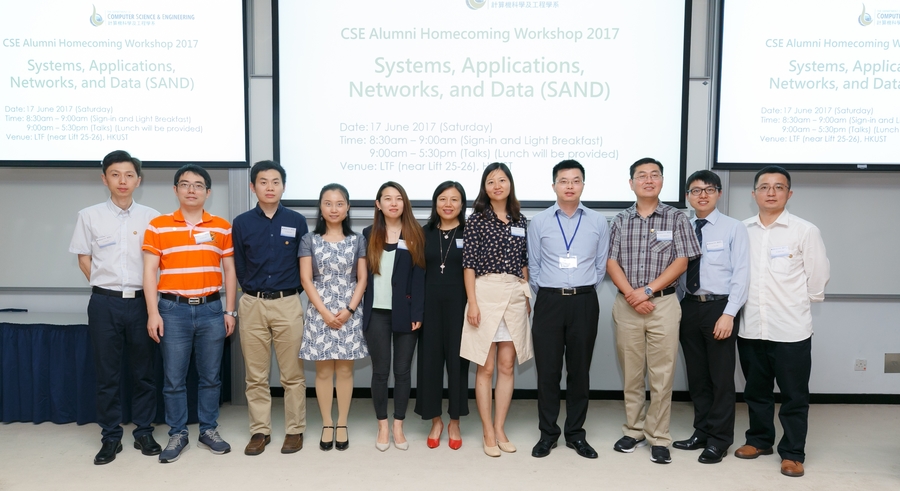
292 443
791 468
751 452
257 444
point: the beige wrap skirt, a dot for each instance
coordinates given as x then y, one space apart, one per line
499 296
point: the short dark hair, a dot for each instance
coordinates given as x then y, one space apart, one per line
568 164
435 219
321 226
196 169
704 176
772 169
117 156
645 160
267 165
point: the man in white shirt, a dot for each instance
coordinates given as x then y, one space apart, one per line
108 239
788 271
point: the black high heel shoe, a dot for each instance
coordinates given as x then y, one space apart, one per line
344 444
322 443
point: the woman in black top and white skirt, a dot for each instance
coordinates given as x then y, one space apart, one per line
445 304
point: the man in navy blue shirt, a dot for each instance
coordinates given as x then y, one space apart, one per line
266 241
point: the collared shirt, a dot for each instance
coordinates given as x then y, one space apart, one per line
491 246
725 263
190 262
588 235
645 247
788 270
113 237
266 249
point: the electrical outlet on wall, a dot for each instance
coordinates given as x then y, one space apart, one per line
860 366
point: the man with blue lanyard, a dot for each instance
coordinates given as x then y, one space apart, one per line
567 246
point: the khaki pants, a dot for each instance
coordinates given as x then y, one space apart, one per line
264 322
648 343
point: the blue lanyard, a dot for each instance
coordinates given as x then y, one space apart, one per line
566 241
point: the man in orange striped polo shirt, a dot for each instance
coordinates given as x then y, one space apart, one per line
190 249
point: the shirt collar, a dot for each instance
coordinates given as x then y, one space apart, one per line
632 210
118 211
489 212
712 218
179 217
782 219
260 212
557 209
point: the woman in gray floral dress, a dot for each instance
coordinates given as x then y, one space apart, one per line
333 275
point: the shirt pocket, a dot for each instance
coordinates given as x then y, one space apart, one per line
787 265
661 247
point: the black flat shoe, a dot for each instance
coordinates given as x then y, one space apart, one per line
692 443
583 448
147 445
344 444
542 448
108 452
712 455
326 445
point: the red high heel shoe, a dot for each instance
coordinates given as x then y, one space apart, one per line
433 442
455 444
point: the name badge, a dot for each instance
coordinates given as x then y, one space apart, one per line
401 244
202 237
288 232
780 251
459 243
715 245
570 262
517 231
106 241
664 235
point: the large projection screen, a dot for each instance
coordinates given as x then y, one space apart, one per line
811 84
423 92
163 79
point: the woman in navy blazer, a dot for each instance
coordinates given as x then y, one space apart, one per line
393 305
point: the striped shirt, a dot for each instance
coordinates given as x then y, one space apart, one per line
190 255
645 247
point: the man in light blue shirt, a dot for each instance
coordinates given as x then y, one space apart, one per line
715 287
567 248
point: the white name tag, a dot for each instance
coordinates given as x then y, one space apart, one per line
401 244
459 243
664 235
570 262
127 294
288 232
106 241
780 251
517 231
716 245
202 237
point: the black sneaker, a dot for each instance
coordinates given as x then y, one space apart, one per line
660 454
626 444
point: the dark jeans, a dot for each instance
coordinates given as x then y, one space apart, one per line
118 326
710 367
564 326
197 329
380 338
789 364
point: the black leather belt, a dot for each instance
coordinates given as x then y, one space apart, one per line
704 298
190 300
118 294
578 290
271 295
661 293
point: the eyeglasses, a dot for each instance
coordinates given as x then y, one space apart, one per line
196 186
779 188
649 177
565 182
707 191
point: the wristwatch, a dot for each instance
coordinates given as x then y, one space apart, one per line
232 313
648 291
352 311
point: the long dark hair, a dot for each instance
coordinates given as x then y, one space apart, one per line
412 232
435 219
483 200
321 226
